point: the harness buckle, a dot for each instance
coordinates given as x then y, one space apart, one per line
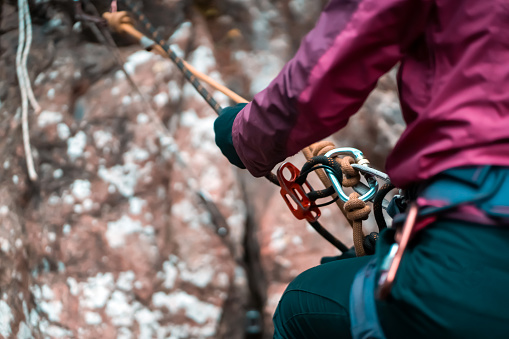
295 195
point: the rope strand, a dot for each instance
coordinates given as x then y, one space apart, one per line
24 41
177 60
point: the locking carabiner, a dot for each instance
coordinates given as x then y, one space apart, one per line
360 160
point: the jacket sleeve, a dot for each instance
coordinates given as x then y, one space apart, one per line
336 67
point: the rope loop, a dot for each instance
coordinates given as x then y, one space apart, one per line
117 19
357 210
352 176
321 148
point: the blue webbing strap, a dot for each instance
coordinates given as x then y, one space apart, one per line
364 322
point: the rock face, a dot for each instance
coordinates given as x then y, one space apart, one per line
137 226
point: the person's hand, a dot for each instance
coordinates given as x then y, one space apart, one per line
223 129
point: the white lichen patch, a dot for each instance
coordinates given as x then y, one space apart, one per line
93 318
73 286
24 331
81 189
278 240
195 309
53 331
136 59
136 205
96 290
4 245
211 179
119 75
120 229
51 93
261 66
182 32
189 118
125 280
102 138
66 229
202 138
169 273
142 118
39 79
6 317
120 310
148 323
58 173
45 298
47 118
161 99
297 241
53 309
63 131
203 59
123 178
67 198
136 154
200 275
187 331
76 145
126 100
174 91
187 213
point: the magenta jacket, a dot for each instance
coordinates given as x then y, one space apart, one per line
453 85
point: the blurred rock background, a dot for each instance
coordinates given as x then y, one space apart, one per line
137 226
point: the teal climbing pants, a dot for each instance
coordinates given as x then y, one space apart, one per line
453 282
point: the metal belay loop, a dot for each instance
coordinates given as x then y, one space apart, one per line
356 211
351 175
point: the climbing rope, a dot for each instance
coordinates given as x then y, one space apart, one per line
177 60
357 211
377 205
24 44
121 22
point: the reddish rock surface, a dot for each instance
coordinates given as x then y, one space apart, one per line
113 240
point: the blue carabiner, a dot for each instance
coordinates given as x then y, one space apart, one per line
359 159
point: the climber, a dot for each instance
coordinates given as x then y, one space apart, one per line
452 159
